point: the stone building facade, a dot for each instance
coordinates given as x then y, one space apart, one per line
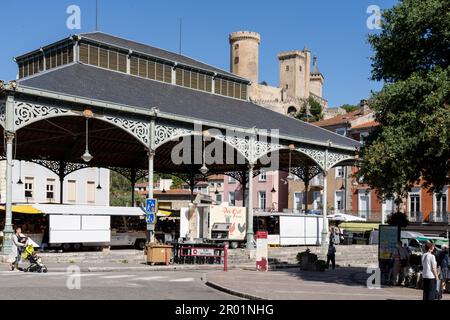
297 80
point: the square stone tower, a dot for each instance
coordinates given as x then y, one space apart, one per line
294 73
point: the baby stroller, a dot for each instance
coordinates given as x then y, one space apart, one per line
36 265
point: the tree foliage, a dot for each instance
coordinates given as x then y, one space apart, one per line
310 111
349 107
415 37
398 219
412 145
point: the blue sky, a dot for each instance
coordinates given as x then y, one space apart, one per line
335 30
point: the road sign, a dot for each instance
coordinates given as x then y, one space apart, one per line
151 206
151 218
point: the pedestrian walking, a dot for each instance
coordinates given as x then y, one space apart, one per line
404 263
331 256
429 274
19 242
397 264
443 264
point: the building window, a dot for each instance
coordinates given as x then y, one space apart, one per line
414 204
231 180
72 191
300 69
218 198
236 46
317 202
364 204
232 199
339 201
341 131
262 199
263 176
298 201
287 68
287 87
236 60
90 192
29 188
339 172
50 188
441 204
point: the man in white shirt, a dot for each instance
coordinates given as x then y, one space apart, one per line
429 273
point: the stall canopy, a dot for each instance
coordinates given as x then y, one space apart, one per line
51 209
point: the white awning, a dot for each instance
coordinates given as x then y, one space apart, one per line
51 209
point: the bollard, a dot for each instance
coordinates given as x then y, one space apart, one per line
225 258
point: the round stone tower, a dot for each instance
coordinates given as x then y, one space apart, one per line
244 55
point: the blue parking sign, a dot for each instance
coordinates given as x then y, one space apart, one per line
151 218
151 206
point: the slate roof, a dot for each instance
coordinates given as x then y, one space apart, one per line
154 52
108 86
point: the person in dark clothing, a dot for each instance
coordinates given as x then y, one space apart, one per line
331 256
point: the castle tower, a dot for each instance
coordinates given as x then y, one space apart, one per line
244 55
294 72
316 79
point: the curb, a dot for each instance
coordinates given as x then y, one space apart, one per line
232 292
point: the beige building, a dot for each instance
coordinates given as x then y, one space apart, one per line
297 80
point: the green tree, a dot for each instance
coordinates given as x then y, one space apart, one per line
349 107
315 111
412 55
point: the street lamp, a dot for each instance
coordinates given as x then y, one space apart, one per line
99 187
290 176
87 157
20 182
204 169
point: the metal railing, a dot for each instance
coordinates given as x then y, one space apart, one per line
415 217
438 216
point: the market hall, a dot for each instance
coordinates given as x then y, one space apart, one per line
96 100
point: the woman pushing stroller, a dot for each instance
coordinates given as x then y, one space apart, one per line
19 244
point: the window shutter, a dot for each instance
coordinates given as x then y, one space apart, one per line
53 58
224 89
65 55
179 76
151 69
201 82
21 69
159 72
123 62
237 90
134 65
194 80
84 54
112 60
187 78
244 92
230 88
218 86
167 73
70 54
142 68
208 84
93 55
103 58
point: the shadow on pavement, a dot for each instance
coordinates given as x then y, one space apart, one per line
349 276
